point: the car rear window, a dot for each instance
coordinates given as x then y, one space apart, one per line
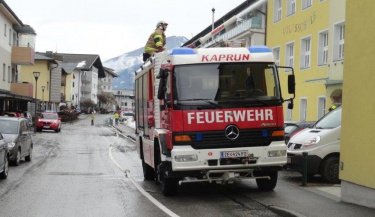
50 116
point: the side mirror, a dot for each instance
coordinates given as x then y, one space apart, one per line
163 73
291 84
162 88
291 105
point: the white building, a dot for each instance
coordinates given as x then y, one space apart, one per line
124 99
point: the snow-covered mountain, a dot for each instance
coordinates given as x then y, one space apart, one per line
126 64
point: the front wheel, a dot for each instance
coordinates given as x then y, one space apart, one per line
17 161
331 170
30 156
168 185
268 184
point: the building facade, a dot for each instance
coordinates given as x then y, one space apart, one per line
357 148
309 36
124 99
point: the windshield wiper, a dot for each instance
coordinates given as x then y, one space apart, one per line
204 100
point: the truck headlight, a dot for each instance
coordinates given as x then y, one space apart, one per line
11 144
313 141
277 153
186 158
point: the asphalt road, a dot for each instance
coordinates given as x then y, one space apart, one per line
80 172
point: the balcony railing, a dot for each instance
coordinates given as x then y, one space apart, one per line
24 89
23 55
86 89
86 78
253 23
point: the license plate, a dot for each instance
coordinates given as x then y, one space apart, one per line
46 127
233 154
289 160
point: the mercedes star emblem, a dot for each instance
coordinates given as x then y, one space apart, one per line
232 132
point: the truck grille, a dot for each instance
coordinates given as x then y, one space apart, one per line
217 139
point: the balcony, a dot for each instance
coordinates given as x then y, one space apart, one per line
24 89
86 78
86 89
247 25
23 55
83 99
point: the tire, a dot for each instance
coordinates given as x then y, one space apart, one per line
168 185
4 174
17 161
30 156
148 171
330 171
267 184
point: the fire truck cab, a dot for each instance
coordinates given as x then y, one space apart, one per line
211 115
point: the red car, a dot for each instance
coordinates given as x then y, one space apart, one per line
49 121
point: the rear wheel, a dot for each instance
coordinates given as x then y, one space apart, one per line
267 184
330 170
4 174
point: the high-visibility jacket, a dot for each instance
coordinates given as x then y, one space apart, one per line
156 39
117 116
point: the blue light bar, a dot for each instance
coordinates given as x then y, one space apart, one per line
259 49
182 51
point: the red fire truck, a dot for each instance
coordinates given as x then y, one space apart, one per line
211 115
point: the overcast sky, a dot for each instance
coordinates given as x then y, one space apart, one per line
112 27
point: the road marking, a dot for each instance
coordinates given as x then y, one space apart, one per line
140 189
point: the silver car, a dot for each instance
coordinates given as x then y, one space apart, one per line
4 155
18 137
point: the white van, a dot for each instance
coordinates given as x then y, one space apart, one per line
322 143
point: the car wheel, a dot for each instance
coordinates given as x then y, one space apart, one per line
267 184
331 170
4 174
17 161
168 185
29 157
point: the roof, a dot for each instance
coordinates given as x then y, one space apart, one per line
85 62
220 21
111 71
41 57
25 29
9 13
69 67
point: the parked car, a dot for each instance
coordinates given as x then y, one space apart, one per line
78 111
4 157
49 121
125 115
291 128
322 144
18 138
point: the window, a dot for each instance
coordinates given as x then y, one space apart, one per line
338 41
3 71
323 48
290 7
289 60
5 29
10 36
303 110
9 75
276 54
73 83
306 4
321 106
277 10
305 52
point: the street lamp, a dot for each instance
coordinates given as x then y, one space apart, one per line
43 87
36 76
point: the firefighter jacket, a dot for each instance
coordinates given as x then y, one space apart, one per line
156 39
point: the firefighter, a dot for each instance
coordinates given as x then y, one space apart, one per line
156 41
332 108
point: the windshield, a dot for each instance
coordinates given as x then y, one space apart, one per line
225 83
50 116
330 120
8 127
